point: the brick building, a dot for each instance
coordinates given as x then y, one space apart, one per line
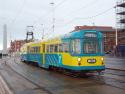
108 33
16 45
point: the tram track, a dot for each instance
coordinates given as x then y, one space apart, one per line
109 80
97 78
100 79
115 72
115 69
29 80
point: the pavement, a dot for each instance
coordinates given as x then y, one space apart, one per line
4 89
115 63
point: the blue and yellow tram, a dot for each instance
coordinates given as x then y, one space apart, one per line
78 51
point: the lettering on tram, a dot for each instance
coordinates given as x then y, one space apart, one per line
90 35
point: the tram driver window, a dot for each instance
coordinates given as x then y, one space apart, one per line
90 46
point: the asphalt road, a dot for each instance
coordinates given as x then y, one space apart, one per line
24 78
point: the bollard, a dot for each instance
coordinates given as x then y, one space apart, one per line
14 60
0 55
5 62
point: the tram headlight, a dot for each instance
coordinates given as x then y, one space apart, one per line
102 59
79 59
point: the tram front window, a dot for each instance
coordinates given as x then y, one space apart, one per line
91 44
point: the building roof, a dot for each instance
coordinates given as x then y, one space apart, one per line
99 28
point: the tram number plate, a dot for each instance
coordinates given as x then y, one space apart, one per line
91 60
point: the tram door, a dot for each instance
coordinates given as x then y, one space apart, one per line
43 55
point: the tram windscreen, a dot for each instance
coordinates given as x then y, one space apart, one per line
91 43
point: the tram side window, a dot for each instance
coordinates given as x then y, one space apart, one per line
34 49
31 50
28 49
60 48
76 47
39 49
51 48
65 47
56 48
47 48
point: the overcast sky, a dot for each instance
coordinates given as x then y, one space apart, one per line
18 14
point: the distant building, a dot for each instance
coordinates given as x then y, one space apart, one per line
108 32
16 45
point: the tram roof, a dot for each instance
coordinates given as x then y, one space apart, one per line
77 34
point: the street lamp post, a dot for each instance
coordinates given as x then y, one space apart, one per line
116 32
42 31
53 18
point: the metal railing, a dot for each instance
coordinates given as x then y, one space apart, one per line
120 2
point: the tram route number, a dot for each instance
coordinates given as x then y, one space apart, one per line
91 60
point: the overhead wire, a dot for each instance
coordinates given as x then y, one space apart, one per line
45 15
49 29
84 6
12 22
19 12
85 18
94 16
60 3
9 19
99 14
